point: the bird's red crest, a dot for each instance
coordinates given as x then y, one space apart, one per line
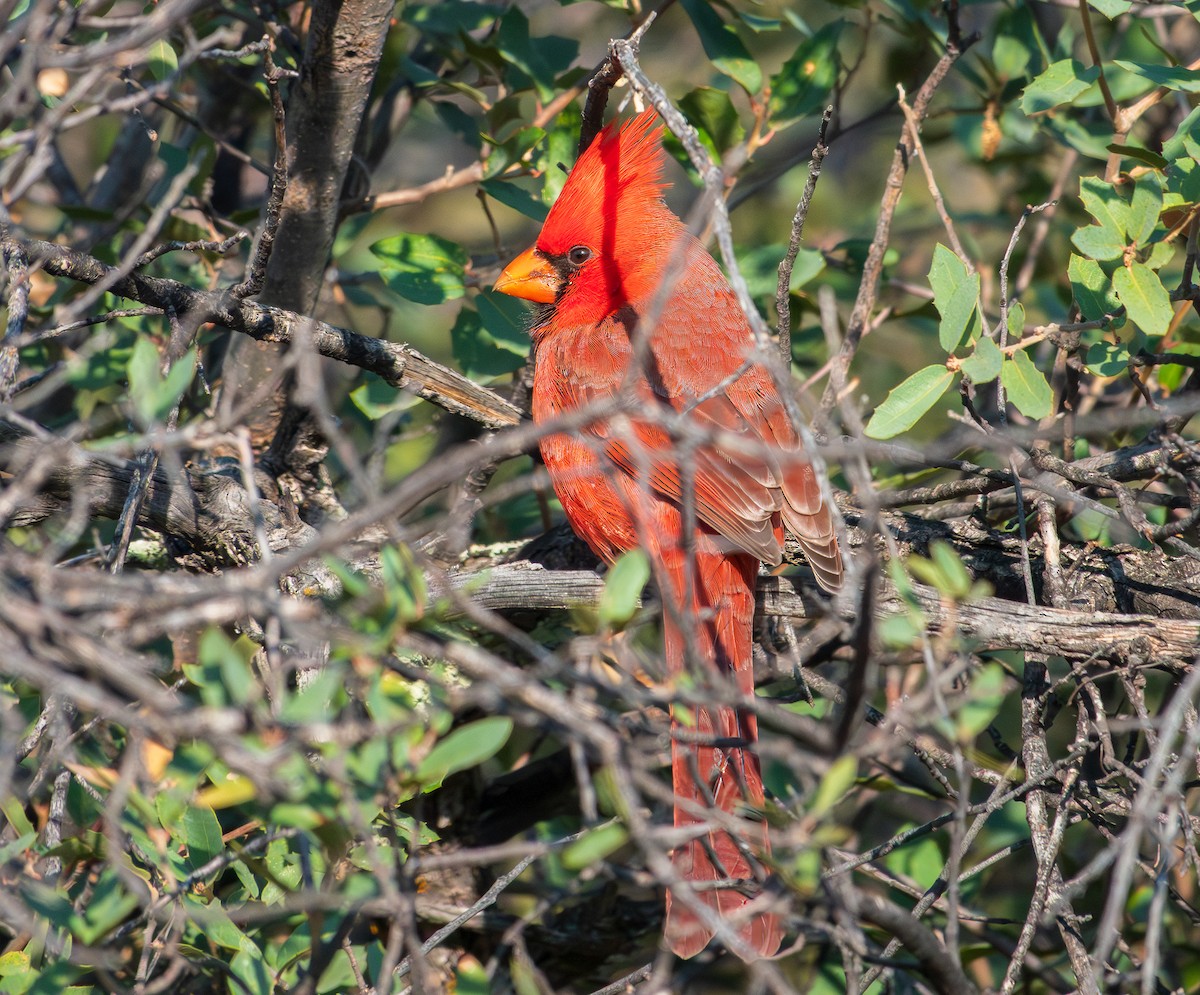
619 174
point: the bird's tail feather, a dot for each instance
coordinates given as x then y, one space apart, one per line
713 762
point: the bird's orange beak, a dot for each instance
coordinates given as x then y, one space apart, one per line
530 277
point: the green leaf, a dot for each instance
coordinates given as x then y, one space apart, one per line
144 378
1141 155
985 695
1104 202
506 321
1099 243
153 395
422 268
375 397
1144 208
760 24
108 905
594 846
957 313
202 834
906 403
955 295
518 198
466 747
623 588
837 781
14 812
723 46
1107 359
1091 288
1016 320
218 655
176 383
450 18
479 352
250 970
1059 84
1170 375
1174 148
1172 77
803 84
1146 300
715 118
314 701
983 365
403 584
161 60
512 149
1010 56
1088 136
946 273
920 860
956 580
1026 386
541 59
561 141
901 631
1111 8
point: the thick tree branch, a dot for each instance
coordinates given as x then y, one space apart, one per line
402 366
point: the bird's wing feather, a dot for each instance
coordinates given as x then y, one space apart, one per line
739 453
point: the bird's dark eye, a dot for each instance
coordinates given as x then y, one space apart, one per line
579 255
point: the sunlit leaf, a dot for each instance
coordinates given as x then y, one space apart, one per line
803 84
1059 84
905 404
623 588
723 46
836 782
1092 288
423 268
1172 77
594 846
465 747
985 694
1145 298
1026 386
983 365
161 60
1107 359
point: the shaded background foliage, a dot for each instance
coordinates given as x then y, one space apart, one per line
287 701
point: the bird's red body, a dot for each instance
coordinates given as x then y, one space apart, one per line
685 429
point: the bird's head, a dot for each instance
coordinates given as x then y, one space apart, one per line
608 236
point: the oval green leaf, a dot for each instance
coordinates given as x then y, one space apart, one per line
983 365
1099 242
1107 359
1091 287
464 748
957 313
905 404
836 782
623 588
594 846
1060 84
803 84
422 268
1145 298
984 697
1026 385
723 46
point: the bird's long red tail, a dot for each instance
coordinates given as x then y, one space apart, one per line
725 776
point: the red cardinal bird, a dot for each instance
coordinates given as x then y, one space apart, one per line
608 245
